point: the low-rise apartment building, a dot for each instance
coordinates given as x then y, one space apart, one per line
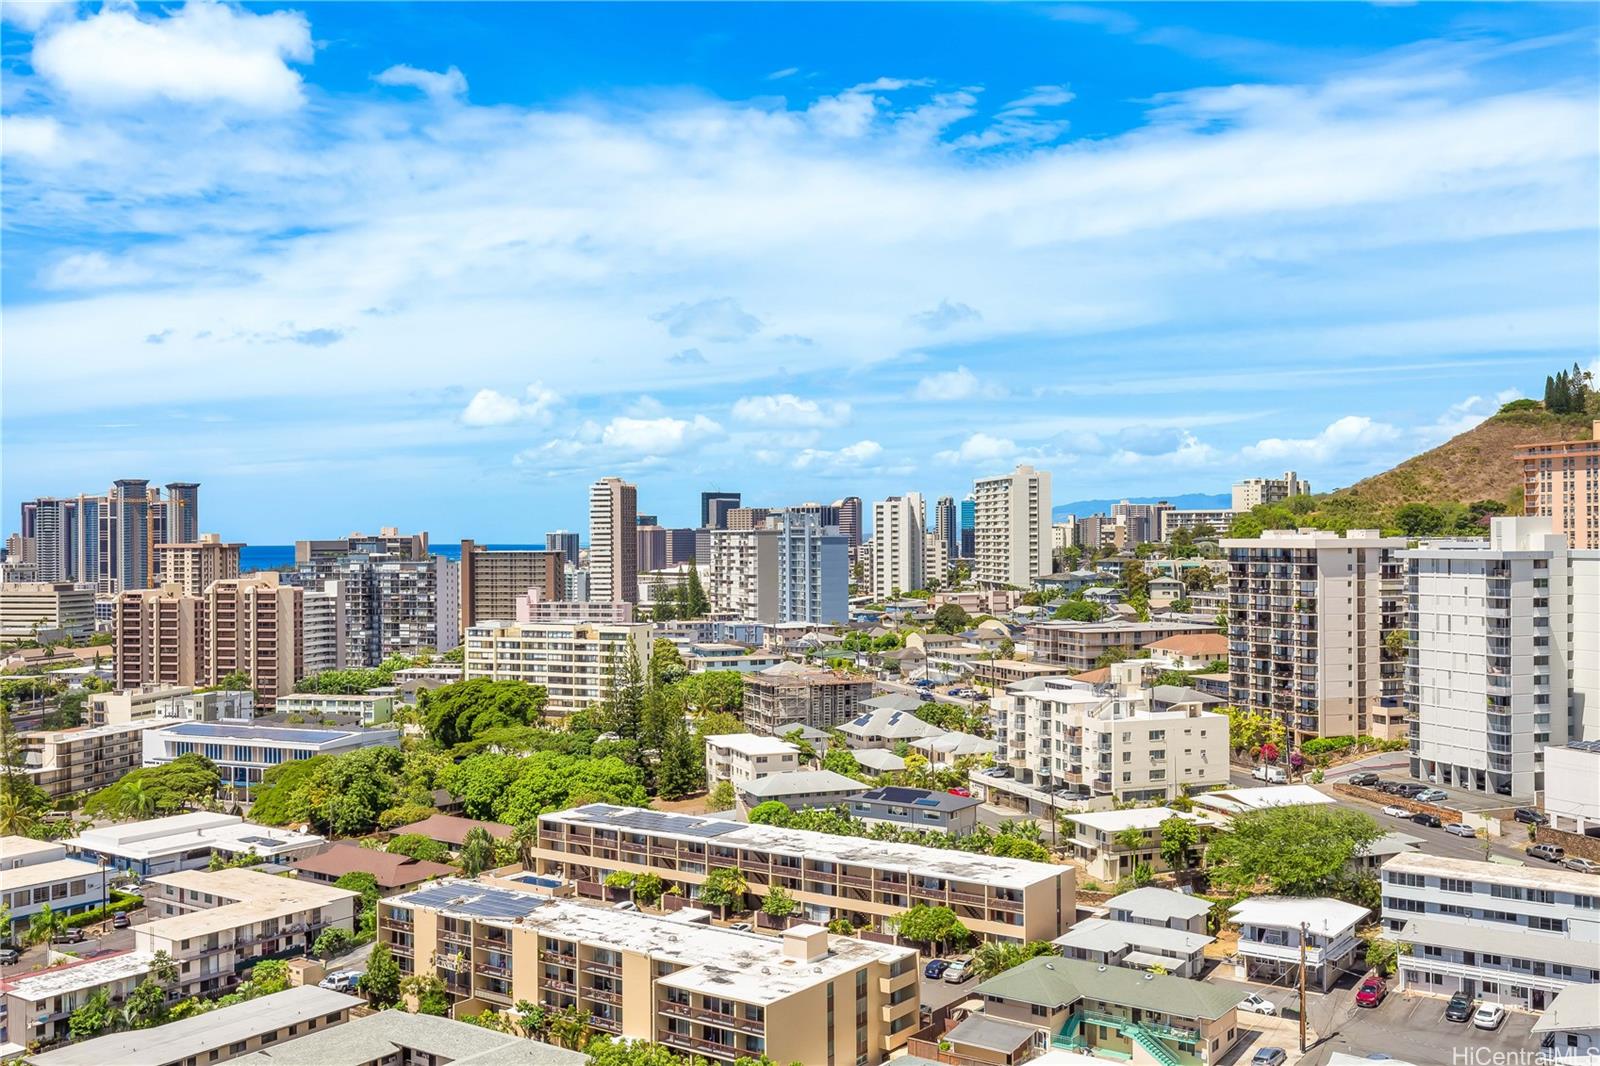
1136 946
213 922
885 728
830 876
216 1036
575 662
743 757
1107 740
1097 839
797 790
802 996
244 752
29 609
64 761
534 606
38 874
789 694
1075 646
36 1007
359 708
393 1037
1271 929
1109 1011
187 842
916 808
1505 934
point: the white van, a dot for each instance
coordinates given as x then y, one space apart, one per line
1272 775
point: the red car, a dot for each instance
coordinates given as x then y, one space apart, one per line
1372 992
959 791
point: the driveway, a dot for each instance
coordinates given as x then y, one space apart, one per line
936 994
1412 1028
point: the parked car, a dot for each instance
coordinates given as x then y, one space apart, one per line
740 927
1430 820
935 969
1371 992
1459 1009
1272 775
1547 852
1460 829
959 791
1365 779
120 920
1489 1016
1431 795
9 956
927 697
1582 865
341 980
1410 790
1530 816
1269 1056
69 936
960 970
1396 811
625 905
1384 785
1255 1003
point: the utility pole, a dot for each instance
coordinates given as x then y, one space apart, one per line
1302 988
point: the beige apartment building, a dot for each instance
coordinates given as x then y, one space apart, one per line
740 758
1561 481
133 704
194 566
788 695
495 583
1308 613
1077 646
575 662
1254 491
212 922
867 881
613 541
64 761
1011 529
249 625
801 996
28 608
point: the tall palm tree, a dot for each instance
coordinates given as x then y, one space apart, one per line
16 819
139 801
524 838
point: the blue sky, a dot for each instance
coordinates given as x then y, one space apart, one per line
440 266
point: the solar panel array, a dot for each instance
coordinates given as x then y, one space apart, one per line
657 822
476 902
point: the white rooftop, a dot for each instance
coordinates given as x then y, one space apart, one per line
1240 800
1546 877
177 1041
971 867
801 783
752 744
27 848
60 980
381 1037
1163 903
1320 914
158 837
1133 818
244 896
47 873
1107 934
956 744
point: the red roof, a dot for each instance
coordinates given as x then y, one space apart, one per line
390 871
448 829
1194 645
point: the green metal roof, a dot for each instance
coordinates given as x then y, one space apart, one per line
1059 982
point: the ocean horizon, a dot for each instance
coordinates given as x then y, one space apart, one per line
253 557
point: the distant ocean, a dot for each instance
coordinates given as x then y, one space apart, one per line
281 556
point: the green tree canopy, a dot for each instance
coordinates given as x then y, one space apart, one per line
513 789
381 982
1293 851
951 618
458 713
416 846
150 791
935 926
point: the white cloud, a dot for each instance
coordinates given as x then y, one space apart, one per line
947 314
1348 436
951 385
858 454
490 408
31 15
656 436
720 319
786 72
201 53
446 85
1191 453
788 410
979 448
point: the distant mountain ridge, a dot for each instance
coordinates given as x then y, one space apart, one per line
1187 501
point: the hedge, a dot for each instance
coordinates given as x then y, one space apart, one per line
121 903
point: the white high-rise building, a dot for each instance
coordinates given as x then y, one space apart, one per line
899 555
613 540
1011 528
323 627
743 579
1504 653
813 566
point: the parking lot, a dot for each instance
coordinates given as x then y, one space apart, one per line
1413 1028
